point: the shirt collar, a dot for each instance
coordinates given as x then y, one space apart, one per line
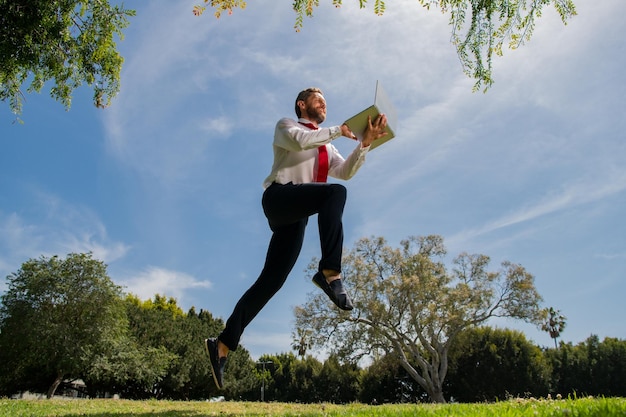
303 120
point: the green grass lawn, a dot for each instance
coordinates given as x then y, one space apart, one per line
585 407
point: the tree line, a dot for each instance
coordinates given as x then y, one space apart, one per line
64 319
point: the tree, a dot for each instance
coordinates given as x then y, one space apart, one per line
491 364
57 318
290 379
128 364
408 304
300 342
609 371
70 42
304 375
489 25
160 325
591 367
241 380
553 322
337 382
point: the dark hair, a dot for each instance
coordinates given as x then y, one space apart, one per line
304 95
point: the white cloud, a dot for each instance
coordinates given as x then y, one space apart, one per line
221 125
54 227
154 280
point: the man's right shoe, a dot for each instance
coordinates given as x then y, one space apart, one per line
217 363
334 291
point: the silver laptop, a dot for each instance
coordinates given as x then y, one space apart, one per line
382 104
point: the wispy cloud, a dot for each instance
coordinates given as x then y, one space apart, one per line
54 228
610 256
154 280
221 125
572 195
157 126
187 85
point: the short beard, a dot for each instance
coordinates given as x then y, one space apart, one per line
316 116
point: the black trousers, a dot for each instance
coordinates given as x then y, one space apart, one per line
287 208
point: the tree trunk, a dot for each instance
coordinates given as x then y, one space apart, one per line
54 385
437 396
434 390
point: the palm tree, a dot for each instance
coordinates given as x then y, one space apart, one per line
301 342
553 322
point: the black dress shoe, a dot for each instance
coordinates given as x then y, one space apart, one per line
334 291
217 363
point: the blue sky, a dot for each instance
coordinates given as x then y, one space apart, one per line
165 184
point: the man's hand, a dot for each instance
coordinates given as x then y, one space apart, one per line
374 130
345 131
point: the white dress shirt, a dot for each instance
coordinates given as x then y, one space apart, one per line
296 153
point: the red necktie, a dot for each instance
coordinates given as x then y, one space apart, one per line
322 160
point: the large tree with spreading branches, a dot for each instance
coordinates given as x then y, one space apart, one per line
409 305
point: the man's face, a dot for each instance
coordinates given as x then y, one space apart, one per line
315 108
